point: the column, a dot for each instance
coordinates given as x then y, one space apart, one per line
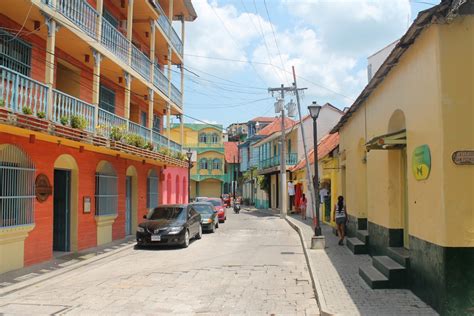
100 9
181 122
128 86
129 28
170 11
96 85
168 105
152 50
49 69
182 65
150 112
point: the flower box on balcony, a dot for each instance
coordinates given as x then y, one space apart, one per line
32 122
98 140
5 114
70 133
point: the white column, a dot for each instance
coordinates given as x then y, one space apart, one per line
96 84
129 28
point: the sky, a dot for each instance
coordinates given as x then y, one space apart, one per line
236 49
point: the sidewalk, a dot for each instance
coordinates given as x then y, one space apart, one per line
13 280
342 291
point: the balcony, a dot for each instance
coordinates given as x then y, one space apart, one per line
202 177
85 17
291 160
204 145
28 100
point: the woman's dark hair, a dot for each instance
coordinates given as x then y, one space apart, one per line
303 196
340 202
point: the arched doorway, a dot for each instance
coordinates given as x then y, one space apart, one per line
131 200
177 193
168 189
65 204
397 181
185 191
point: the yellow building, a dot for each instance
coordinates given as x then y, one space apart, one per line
207 174
407 160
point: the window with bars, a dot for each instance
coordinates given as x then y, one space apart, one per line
107 99
216 164
214 138
152 190
106 194
17 187
15 54
156 123
203 164
203 138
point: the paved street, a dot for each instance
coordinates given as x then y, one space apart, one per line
253 265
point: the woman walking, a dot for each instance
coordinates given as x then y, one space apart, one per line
303 204
340 217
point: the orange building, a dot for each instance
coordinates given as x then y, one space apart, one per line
85 88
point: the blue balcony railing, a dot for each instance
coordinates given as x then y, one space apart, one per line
141 63
66 105
137 129
169 31
291 160
81 13
115 41
176 96
160 81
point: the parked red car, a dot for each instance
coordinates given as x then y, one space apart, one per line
226 199
219 207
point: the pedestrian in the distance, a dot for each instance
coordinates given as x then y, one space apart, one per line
303 204
340 217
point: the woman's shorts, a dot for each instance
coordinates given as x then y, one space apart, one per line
341 220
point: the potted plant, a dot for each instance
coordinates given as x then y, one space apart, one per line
64 120
78 122
116 135
28 120
41 115
99 138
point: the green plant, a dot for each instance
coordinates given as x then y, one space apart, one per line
64 120
117 133
78 122
2 103
26 110
165 151
149 146
135 140
41 115
180 156
264 183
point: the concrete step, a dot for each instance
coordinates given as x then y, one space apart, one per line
400 255
373 277
356 245
395 272
363 235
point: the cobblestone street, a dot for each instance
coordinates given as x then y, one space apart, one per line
253 265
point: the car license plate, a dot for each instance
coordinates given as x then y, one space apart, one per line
155 238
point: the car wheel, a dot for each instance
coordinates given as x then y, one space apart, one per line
186 239
199 234
217 224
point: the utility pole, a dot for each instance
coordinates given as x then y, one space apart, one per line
279 107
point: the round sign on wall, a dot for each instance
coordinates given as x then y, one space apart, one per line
421 162
43 187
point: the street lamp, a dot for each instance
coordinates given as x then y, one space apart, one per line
314 109
189 155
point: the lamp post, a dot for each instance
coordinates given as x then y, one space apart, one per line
189 155
314 112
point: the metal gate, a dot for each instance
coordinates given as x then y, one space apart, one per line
128 205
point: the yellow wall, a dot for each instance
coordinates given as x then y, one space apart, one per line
430 93
209 155
210 188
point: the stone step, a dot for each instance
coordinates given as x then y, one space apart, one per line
400 255
356 245
395 272
373 277
363 235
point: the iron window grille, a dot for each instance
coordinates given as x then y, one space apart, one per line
216 164
15 53
107 99
203 164
106 197
152 190
17 187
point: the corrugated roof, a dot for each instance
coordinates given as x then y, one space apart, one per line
423 20
327 144
231 152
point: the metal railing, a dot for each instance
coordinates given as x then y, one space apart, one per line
174 146
109 120
106 197
18 91
66 105
115 41
176 96
141 63
176 41
81 13
168 29
291 160
160 81
140 130
17 187
159 140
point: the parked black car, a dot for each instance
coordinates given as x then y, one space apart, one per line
209 220
170 225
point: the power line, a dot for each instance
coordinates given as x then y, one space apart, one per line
231 105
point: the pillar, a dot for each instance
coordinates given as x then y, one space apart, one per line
96 85
99 9
170 11
129 28
182 65
150 112
128 86
49 69
168 105
152 50
181 126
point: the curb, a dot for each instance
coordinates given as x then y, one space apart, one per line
27 283
314 280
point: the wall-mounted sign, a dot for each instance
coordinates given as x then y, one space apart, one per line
421 162
43 187
87 204
464 157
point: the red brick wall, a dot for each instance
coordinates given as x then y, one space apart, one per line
38 245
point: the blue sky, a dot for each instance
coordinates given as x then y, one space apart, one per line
235 50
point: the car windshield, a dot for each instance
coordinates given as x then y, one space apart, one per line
204 209
216 202
200 199
167 213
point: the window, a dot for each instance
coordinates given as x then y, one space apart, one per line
15 53
17 187
110 18
106 190
214 138
152 190
143 118
216 164
203 138
203 164
289 146
107 99
156 123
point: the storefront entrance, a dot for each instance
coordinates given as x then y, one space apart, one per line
62 210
